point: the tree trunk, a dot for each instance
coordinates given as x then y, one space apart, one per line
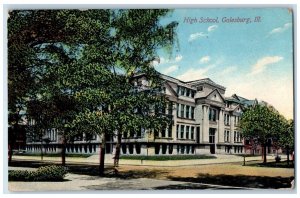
118 150
288 154
63 152
10 153
265 152
102 155
42 154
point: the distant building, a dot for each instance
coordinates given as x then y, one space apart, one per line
204 121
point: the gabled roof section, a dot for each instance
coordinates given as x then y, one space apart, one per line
241 100
213 91
238 106
171 89
205 81
176 81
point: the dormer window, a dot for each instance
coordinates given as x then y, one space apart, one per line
200 88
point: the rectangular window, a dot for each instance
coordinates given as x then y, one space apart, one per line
198 135
182 90
163 132
170 108
187 132
200 88
178 90
192 112
188 92
170 131
193 93
192 132
226 119
182 111
234 137
177 131
211 135
212 114
177 110
182 132
226 136
187 111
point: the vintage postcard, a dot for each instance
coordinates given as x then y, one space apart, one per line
150 99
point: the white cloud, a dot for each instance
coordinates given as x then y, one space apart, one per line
204 59
195 74
262 63
170 69
228 70
197 35
281 29
212 28
276 91
178 58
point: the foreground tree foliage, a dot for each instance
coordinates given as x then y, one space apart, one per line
262 123
74 70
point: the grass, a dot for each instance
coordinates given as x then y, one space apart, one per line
164 158
54 155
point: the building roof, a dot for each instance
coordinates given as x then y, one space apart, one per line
206 81
241 100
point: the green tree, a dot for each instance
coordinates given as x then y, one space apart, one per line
43 45
87 57
262 122
286 138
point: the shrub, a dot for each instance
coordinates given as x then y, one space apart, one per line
277 158
50 173
20 175
46 173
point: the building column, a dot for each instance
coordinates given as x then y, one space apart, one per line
160 149
221 126
231 129
167 149
134 149
205 126
127 149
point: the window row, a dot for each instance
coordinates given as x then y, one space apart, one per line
185 132
237 136
236 120
226 136
226 119
164 133
183 91
185 111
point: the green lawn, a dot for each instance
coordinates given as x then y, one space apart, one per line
164 158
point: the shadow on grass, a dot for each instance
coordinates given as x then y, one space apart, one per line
239 181
93 170
282 164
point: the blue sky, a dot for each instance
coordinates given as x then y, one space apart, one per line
254 60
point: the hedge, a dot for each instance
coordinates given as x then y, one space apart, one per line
45 173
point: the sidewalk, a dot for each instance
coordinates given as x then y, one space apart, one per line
94 159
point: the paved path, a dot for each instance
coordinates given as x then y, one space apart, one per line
94 159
